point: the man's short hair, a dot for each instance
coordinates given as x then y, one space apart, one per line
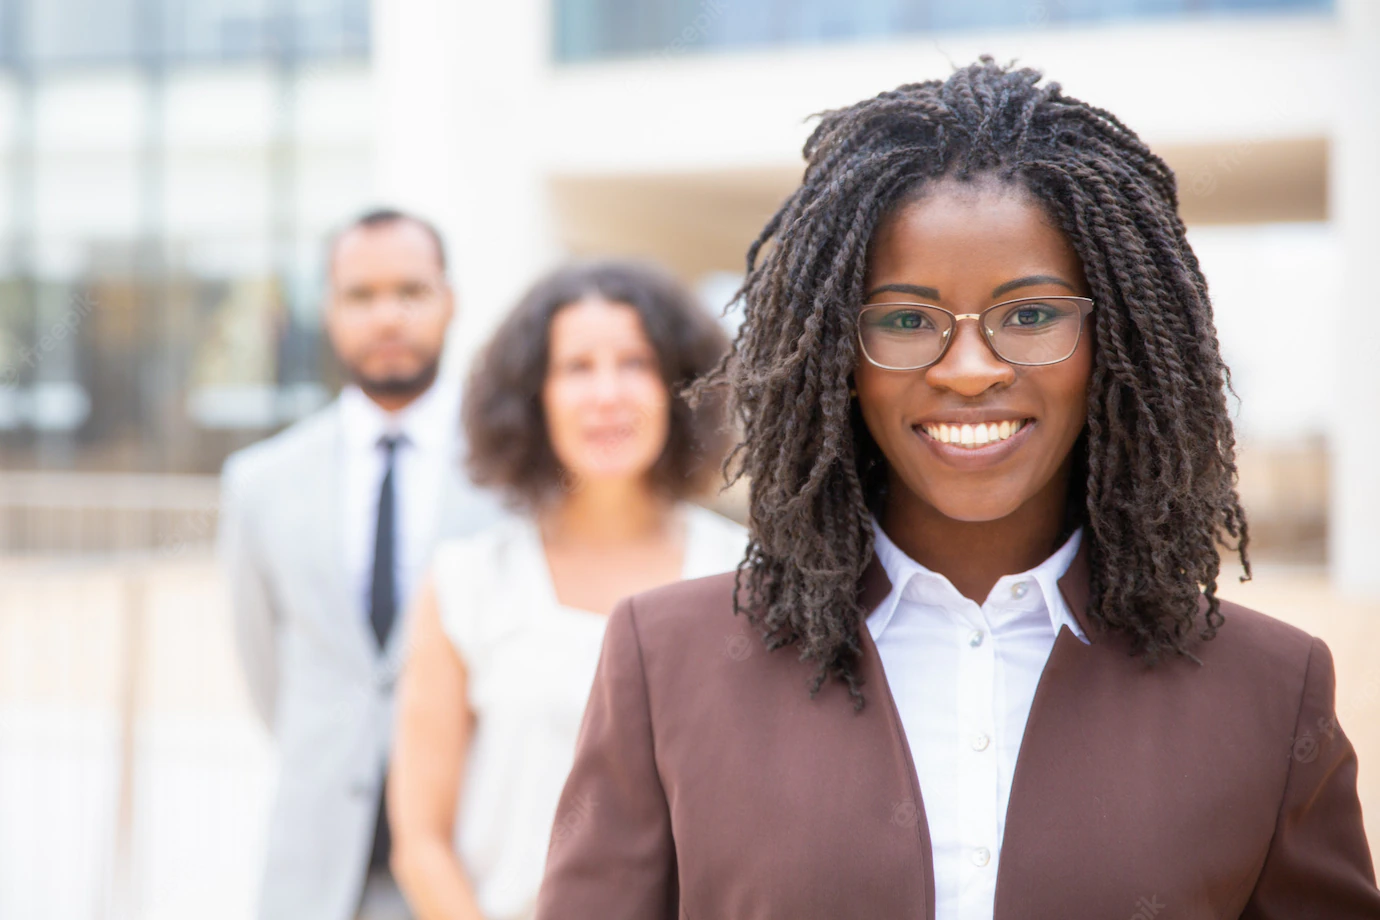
382 217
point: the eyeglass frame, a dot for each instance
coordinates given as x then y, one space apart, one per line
1085 306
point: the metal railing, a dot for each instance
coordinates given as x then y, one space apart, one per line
122 515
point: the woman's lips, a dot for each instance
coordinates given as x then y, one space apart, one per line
963 450
611 435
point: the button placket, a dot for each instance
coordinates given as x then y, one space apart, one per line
978 775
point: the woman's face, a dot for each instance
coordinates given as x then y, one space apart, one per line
607 409
964 248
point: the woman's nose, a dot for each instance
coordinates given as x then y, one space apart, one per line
969 367
607 386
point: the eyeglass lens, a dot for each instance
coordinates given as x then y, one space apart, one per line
1042 331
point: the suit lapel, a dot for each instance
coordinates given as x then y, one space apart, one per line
324 485
1058 784
872 590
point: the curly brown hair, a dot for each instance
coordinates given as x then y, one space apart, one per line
1155 473
503 416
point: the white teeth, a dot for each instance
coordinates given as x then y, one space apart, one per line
973 436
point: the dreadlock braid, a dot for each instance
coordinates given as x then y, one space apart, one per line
1155 464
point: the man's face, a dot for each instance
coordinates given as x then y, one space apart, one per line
389 307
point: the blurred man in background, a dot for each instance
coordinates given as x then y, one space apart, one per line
325 528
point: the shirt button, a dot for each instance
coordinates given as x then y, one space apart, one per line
975 638
1019 590
982 856
980 743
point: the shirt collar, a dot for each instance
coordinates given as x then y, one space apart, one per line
428 422
902 571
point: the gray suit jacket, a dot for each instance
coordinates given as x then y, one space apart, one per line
314 669
708 785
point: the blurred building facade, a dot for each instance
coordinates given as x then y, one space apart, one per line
167 170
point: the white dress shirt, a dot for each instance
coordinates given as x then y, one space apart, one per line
963 677
428 449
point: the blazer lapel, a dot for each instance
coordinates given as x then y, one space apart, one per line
1058 787
872 590
324 493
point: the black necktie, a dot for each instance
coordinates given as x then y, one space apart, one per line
383 607
383 591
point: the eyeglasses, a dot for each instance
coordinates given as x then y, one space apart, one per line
1029 331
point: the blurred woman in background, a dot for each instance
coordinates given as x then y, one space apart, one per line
574 411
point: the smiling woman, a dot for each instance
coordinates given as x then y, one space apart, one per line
990 460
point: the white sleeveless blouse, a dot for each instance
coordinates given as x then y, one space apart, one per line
530 663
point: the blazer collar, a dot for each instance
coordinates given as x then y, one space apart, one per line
874 586
1074 587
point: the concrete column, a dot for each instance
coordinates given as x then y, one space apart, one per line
460 90
1354 192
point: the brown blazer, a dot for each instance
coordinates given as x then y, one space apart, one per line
708 785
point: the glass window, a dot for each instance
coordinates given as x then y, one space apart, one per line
56 33
147 324
62 31
599 29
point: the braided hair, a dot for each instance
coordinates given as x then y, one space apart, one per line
1154 480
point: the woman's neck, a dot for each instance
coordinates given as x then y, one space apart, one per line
974 555
608 513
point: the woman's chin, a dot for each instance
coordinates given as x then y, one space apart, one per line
610 473
975 508
975 515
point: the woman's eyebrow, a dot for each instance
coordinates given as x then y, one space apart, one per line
916 289
1029 280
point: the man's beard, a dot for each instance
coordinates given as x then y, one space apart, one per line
397 387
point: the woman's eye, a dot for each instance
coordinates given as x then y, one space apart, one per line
905 321
1032 315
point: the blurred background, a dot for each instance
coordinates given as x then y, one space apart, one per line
169 170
